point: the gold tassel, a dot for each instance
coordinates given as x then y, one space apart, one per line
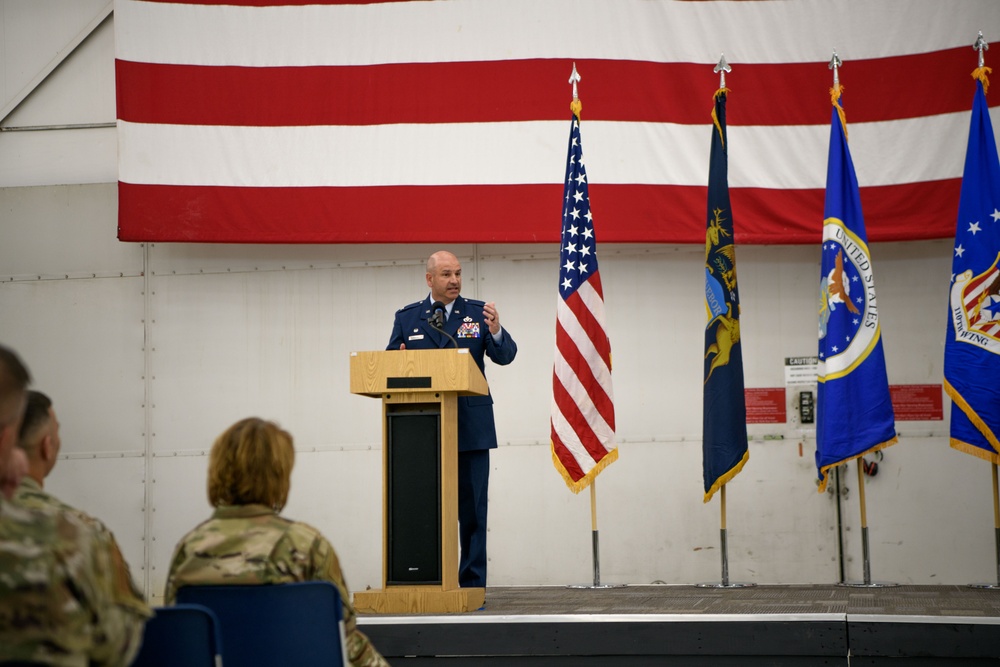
979 74
715 119
576 106
835 93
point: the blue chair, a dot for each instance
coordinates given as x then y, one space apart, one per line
300 623
185 634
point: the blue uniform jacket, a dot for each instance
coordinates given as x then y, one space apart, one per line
476 426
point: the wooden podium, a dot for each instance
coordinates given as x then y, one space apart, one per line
419 391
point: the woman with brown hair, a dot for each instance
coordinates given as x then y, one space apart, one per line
245 541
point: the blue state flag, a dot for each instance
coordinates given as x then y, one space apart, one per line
854 413
724 416
972 345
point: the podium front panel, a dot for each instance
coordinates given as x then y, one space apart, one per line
413 494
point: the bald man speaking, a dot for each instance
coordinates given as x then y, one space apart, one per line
474 325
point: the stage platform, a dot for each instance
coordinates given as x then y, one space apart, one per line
678 625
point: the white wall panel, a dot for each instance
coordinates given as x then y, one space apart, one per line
63 232
83 341
37 36
178 501
81 89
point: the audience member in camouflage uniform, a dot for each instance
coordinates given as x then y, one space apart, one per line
39 439
246 541
58 583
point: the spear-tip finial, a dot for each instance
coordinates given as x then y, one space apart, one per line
722 68
574 79
981 45
835 64
575 106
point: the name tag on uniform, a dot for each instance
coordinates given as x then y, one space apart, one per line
417 337
468 330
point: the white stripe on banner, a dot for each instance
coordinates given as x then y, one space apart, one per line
527 152
463 30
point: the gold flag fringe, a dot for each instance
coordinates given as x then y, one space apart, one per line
725 479
576 106
980 74
583 482
825 470
960 401
715 118
975 451
835 93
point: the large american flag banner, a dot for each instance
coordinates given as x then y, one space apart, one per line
343 122
583 410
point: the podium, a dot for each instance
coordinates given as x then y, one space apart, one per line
419 391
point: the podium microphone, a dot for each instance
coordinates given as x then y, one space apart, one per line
436 320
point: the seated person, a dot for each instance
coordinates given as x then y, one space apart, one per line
246 541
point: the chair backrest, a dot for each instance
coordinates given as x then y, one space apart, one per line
300 623
185 634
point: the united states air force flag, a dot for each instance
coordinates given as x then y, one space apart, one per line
724 416
854 413
972 346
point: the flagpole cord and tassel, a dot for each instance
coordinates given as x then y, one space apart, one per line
837 89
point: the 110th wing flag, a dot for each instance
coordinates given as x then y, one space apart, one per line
972 346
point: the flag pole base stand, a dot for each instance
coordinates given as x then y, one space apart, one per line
596 586
731 584
870 584
990 586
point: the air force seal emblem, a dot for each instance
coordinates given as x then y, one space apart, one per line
848 313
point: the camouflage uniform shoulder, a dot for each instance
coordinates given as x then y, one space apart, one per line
78 614
307 539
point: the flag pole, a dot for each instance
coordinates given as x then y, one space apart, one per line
867 583
721 68
575 107
996 514
722 537
866 557
594 534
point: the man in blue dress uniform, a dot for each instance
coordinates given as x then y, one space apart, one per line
474 325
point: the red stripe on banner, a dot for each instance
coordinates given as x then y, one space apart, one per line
522 90
581 367
571 413
511 213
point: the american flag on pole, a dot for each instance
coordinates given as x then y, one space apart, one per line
583 411
350 121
